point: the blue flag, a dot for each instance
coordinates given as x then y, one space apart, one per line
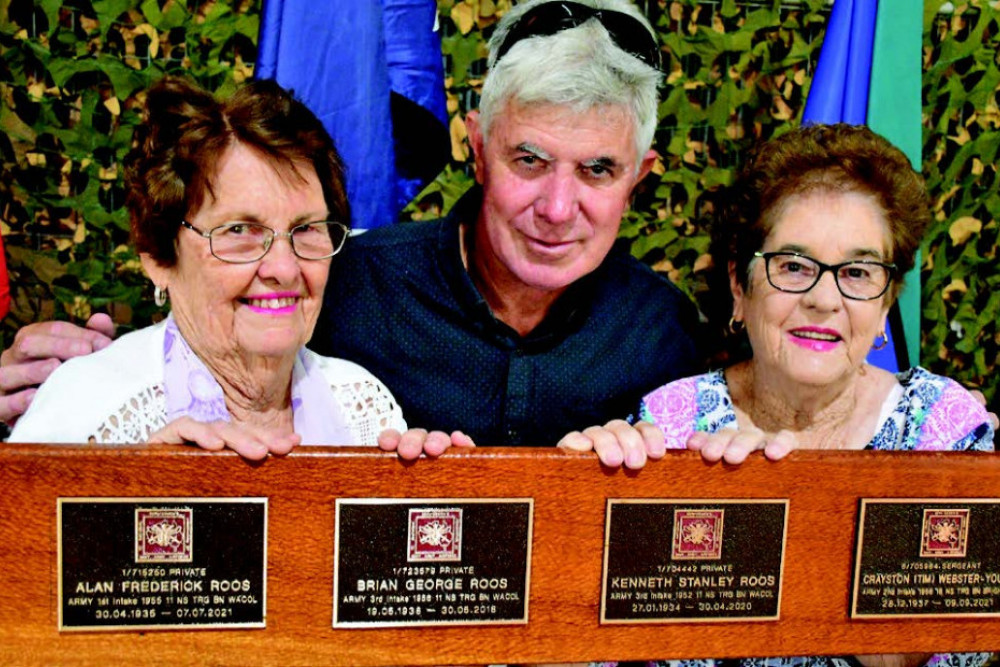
839 94
372 72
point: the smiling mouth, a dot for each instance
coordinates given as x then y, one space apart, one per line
816 335
271 303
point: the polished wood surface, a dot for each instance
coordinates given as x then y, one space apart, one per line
570 492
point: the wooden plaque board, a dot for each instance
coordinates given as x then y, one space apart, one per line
570 493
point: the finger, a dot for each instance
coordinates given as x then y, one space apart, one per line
26 374
576 441
745 442
187 431
780 445
411 444
102 324
697 440
388 440
460 439
630 442
250 443
15 405
715 444
48 346
606 445
282 444
242 441
652 439
436 443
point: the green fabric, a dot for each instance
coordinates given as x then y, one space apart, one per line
894 112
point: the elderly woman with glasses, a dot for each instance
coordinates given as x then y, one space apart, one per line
237 208
813 241
811 244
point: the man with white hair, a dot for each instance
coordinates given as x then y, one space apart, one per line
517 318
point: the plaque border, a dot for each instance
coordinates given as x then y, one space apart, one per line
69 500
860 530
603 620
340 502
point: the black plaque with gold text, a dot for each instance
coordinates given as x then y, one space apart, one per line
693 560
927 557
161 563
403 562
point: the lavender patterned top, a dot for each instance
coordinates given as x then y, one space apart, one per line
190 390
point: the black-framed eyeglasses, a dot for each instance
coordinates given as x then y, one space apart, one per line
861 280
551 17
245 242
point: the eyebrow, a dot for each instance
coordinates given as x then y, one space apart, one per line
603 161
606 162
857 253
256 219
537 151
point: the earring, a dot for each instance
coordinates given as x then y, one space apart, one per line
735 325
159 296
885 341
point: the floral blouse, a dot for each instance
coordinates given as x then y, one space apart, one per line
930 413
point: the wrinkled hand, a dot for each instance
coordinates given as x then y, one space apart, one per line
619 443
250 443
37 350
416 441
979 396
733 446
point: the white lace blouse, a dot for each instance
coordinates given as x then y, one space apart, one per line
116 396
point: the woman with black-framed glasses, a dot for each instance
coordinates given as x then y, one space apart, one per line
810 245
813 241
237 208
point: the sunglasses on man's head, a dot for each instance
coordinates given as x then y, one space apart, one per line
626 31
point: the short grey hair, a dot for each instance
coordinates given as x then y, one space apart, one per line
581 68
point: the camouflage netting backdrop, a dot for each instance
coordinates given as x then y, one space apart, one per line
72 75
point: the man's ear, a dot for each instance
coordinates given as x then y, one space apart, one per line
476 142
646 165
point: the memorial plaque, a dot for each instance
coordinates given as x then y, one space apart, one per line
162 563
693 560
403 561
927 557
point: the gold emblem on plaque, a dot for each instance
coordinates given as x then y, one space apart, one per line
945 533
164 535
697 534
434 534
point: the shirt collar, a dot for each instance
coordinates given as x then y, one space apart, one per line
568 313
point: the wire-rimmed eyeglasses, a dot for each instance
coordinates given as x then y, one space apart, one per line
861 280
245 242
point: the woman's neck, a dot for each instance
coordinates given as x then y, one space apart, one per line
841 416
257 389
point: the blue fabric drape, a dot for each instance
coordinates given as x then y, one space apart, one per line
839 94
355 64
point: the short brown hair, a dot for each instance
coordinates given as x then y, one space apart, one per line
184 133
832 158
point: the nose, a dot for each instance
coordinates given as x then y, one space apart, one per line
558 203
824 295
280 265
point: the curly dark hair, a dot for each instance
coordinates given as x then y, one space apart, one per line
831 158
184 133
